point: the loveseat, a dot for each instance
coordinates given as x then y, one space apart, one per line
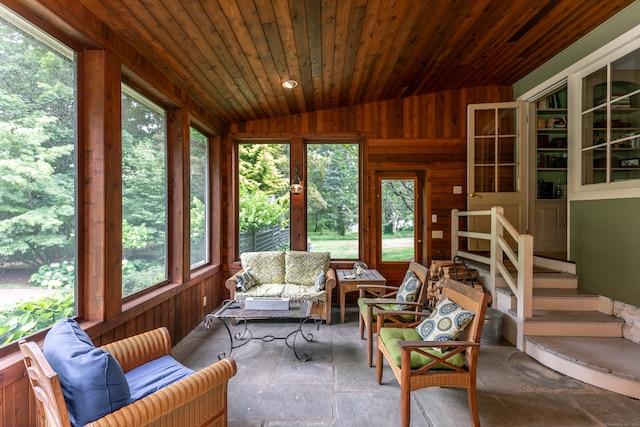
286 274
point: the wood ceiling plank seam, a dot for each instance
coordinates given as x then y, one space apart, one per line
356 21
463 38
314 33
230 45
298 13
495 36
589 16
251 40
328 12
376 50
275 41
541 46
170 67
451 23
360 72
175 51
343 12
285 28
396 36
192 20
403 75
541 27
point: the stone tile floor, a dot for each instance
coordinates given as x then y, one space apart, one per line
337 388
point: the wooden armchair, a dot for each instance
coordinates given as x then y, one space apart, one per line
418 366
198 400
374 298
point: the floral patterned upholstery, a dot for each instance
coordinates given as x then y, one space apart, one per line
297 275
303 268
265 267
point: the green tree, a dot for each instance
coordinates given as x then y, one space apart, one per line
37 173
264 185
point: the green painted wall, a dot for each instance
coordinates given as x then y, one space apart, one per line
605 238
605 244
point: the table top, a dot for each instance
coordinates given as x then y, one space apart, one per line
298 309
368 276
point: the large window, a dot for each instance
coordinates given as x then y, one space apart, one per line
199 226
144 193
263 197
611 122
37 179
333 199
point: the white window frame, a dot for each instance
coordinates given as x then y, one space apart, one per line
610 52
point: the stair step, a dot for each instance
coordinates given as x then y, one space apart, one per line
555 280
557 299
572 323
609 363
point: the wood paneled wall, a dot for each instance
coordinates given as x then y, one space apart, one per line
426 132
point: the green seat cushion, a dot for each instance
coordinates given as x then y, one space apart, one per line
265 267
303 268
391 336
390 306
303 292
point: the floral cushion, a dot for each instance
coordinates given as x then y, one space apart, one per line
303 292
408 290
244 281
446 322
266 267
303 268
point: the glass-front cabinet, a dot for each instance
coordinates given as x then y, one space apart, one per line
610 114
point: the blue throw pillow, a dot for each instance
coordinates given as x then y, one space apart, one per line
93 383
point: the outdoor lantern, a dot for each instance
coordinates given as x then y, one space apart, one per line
296 184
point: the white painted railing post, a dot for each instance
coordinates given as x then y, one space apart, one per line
455 227
496 250
525 285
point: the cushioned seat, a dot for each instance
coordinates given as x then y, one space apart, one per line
132 382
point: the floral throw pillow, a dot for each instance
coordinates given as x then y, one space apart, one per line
321 281
446 322
408 290
244 281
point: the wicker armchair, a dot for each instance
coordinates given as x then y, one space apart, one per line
419 367
385 300
198 400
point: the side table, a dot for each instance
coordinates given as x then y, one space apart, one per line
348 281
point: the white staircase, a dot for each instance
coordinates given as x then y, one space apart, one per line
547 315
573 332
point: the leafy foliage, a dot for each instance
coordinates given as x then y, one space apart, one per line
55 276
31 316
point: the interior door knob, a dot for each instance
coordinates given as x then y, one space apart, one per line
475 195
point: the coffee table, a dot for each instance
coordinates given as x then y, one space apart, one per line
231 310
348 281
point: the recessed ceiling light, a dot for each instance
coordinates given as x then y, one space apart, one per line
290 84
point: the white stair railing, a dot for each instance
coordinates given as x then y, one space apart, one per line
499 249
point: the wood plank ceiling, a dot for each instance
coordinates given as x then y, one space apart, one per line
233 55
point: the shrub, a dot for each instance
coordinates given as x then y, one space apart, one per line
57 275
29 317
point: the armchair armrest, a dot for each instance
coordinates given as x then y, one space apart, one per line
449 349
203 393
139 349
231 283
331 280
377 290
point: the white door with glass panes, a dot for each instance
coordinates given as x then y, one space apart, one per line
497 147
